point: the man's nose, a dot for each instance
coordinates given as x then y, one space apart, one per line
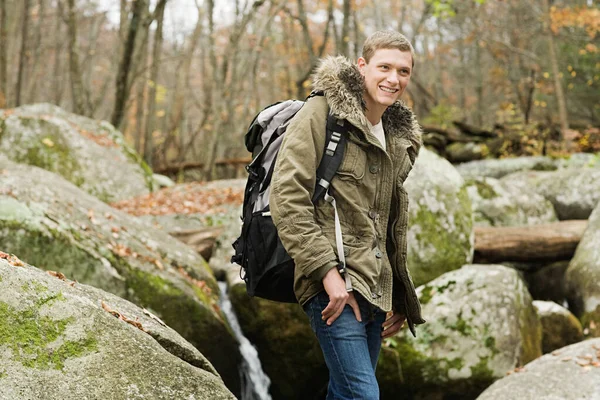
393 77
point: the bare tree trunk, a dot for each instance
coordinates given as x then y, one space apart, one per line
479 83
81 101
36 71
123 75
156 49
308 42
3 55
346 28
23 53
183 76
560 96
140 114
57 87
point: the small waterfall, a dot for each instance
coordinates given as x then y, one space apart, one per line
255 384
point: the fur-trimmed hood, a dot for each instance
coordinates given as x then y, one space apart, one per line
343 86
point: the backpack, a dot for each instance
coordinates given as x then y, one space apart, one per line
265 266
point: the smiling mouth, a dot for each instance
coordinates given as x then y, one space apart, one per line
388 90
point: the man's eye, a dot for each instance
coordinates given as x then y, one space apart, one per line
384 67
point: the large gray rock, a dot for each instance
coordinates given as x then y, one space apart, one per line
571 373
90 154
583 277
560 328
480 324
498 203
63 340
54 225
497 168
573 192
440 232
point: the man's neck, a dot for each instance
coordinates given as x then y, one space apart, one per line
374 113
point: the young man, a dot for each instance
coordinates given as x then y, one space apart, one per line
350 322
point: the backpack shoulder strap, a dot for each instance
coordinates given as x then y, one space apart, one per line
335 144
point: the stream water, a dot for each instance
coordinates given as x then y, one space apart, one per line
255 384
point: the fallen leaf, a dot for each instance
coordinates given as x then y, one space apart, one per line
567 359
159 265
4 255
58 275
583 363
556 353
120 316
48 142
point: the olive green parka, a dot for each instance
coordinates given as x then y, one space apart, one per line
368 188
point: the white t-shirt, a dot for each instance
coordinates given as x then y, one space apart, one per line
377 130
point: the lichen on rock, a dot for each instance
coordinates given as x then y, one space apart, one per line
440 232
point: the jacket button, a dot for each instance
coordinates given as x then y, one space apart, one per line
378 253
373 214
346 251
374 169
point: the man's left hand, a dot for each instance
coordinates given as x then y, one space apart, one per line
392 324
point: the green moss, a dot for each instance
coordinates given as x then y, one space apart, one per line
592 317
531 335
461 326
451 246
50 152
481 372
32 337
425 295
485 190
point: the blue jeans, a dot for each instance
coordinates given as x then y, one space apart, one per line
350 348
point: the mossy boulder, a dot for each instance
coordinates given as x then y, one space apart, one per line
573 192
480 324
65 340
565 374
583 277
560 327
90 154
287 347
56 226
497 168
498 203
440 227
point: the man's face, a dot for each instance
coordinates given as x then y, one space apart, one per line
386 76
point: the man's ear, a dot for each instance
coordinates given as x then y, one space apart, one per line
361 63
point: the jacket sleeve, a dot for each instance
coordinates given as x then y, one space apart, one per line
292 187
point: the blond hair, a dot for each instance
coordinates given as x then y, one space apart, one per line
386 40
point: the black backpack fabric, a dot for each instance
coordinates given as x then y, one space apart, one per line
266 267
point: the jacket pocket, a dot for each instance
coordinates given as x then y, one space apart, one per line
354 164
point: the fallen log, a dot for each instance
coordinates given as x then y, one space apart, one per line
473 130
201 240
452 134
545 242
175 168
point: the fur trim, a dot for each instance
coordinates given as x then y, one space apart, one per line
344 86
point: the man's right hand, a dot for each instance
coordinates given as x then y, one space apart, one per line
338 297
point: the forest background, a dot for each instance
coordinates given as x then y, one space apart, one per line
182 79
